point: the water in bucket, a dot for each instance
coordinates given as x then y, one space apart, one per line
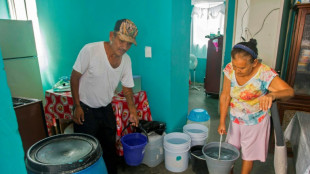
229 154
177 141
197 132
199 116
226 154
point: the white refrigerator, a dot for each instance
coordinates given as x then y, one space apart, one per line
20 59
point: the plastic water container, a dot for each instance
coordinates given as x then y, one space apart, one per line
176 147
199 116
229 154
154 150
197 132
198 160
134 146
66 153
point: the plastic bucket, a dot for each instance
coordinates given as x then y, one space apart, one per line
197 132
198 160
154 150
133 147
199 116
176 147
66 153
229 154
198 141
177 140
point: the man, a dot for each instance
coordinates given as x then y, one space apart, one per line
96 73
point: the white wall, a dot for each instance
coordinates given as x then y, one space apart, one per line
268 37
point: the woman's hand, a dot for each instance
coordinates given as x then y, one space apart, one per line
78 115
265 101
221 129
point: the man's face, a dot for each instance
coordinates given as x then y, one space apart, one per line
119 47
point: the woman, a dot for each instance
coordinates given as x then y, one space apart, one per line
248 91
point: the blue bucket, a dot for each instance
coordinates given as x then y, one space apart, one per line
66 153
133 147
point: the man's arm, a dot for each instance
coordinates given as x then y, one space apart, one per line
78 114
132 108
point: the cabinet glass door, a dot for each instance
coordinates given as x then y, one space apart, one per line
302 78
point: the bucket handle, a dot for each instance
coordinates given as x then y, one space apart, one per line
129 124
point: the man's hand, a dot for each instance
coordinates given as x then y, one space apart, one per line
131 106
134 119
78 115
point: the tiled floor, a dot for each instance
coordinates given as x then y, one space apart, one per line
198 99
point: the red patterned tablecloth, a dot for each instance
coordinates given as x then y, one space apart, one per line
58 105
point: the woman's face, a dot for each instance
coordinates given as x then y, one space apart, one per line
242 65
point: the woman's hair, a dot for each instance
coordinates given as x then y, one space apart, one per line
246 49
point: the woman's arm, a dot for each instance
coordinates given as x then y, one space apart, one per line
224 105
279 89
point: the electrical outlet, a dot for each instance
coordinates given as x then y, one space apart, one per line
148 52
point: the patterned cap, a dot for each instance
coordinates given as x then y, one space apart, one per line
126 30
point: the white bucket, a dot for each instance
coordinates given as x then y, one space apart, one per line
199 116
177 140
176 147
197 132
198 141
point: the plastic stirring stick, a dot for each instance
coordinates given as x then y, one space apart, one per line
220 146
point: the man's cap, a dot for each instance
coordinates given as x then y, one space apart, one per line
126 30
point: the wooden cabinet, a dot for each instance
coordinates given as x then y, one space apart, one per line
298 68
31 121
213 67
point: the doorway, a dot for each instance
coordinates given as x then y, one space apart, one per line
207 26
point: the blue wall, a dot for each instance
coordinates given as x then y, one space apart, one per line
4 10
229 33
67 25
180 49
11 149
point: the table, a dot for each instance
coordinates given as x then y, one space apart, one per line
297 132
58 105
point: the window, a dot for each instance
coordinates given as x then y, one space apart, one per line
27 10
207 18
